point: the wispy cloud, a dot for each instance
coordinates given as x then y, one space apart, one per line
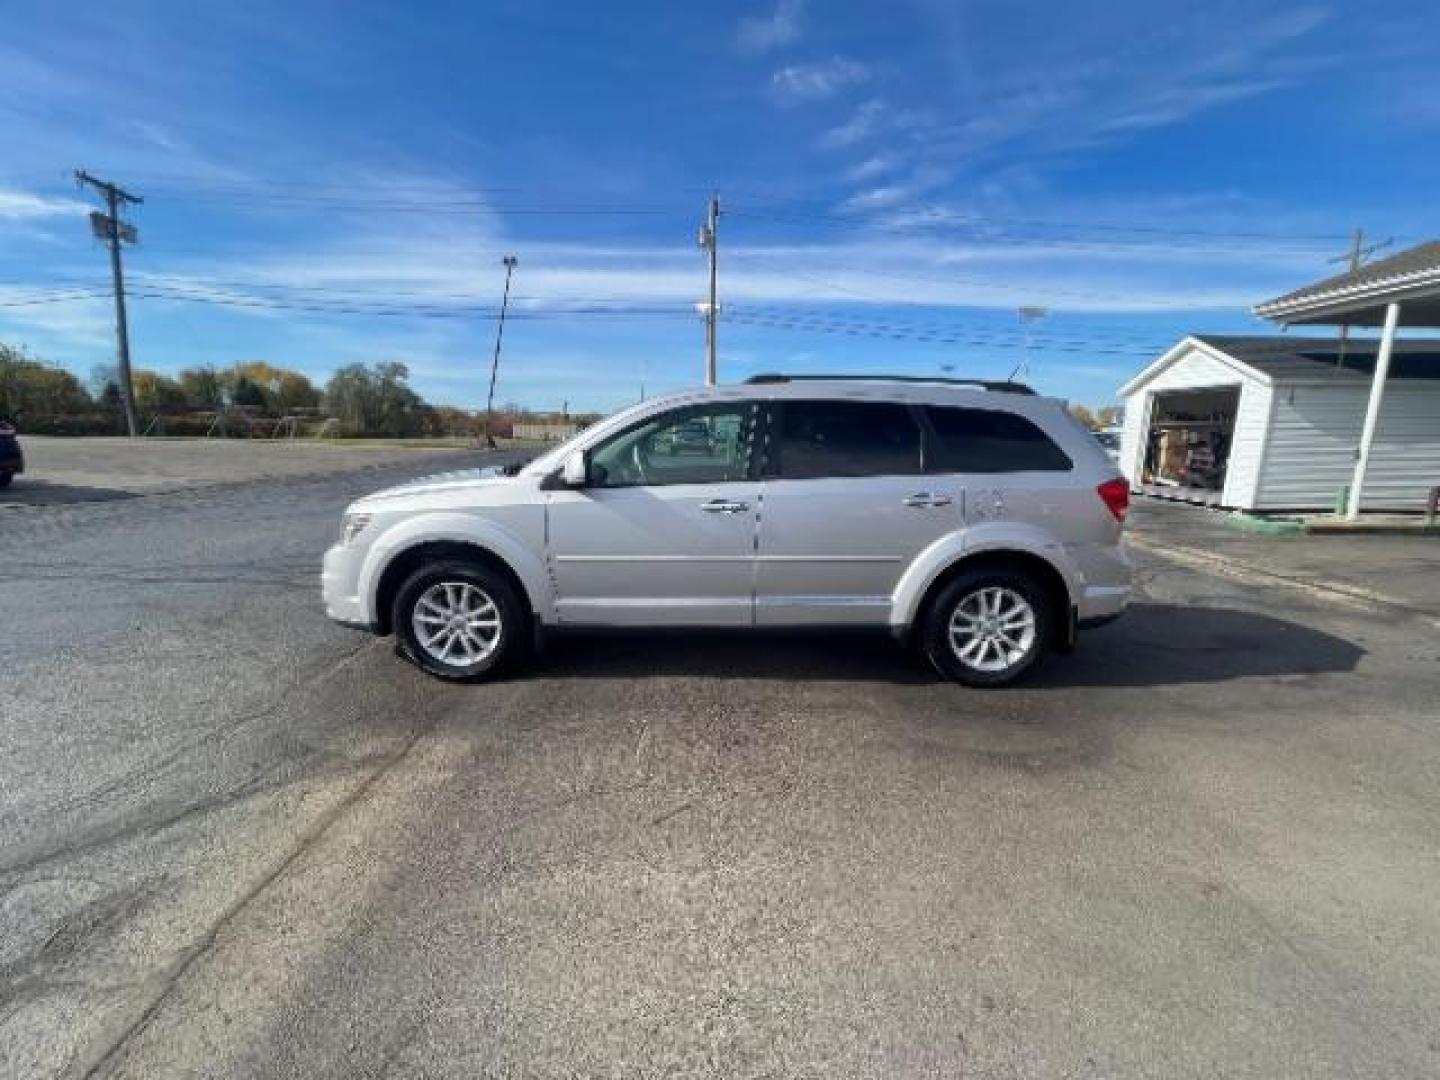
922 181
874 166
762 33
24 206
1063 100
1066 102
863 122
797 83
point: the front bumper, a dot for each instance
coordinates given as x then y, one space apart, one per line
340 589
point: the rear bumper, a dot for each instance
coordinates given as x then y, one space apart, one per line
1103 604
1105 582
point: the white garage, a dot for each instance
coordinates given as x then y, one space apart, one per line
1273 423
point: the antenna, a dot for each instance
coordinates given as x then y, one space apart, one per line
1028 314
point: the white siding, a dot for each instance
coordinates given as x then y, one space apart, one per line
1196 368
1314 433
1247 446
1132 434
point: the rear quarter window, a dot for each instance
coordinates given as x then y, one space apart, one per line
989 441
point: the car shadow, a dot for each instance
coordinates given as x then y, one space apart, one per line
23 492
1153 645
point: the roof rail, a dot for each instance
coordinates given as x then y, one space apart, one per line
994 386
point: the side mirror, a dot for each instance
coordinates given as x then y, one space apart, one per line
574 473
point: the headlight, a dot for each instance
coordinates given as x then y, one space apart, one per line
352 525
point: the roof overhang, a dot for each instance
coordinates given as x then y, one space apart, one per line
1364 306
1360 297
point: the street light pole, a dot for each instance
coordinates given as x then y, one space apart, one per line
510 262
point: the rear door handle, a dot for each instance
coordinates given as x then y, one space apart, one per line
926 500
724 506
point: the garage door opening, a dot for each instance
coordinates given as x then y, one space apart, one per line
1187 445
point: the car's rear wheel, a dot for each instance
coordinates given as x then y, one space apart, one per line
988 627
460 620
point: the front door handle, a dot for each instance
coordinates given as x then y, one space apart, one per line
926 500
724 506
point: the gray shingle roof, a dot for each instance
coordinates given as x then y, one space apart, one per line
1283 357
1407 270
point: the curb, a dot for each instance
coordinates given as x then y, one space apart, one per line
1370 528
1333 591
1262 526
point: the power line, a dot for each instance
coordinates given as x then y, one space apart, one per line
760 315
1088 334
57 297
943 215
940 339
929 330
188 281
419 311
1029 290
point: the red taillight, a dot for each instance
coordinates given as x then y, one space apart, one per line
1115 494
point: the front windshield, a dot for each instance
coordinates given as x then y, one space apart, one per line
551 459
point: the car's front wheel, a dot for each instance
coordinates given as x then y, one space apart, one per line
459 620
987 627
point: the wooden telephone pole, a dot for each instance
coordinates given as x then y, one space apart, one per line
111 228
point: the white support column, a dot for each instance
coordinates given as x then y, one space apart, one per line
1372 409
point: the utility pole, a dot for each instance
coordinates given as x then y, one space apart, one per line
510 262
709 242
112 229
1355 259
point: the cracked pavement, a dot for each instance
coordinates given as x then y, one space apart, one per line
238 841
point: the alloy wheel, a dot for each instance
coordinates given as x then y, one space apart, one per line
992 629
456 623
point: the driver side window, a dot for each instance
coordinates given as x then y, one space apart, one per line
700 444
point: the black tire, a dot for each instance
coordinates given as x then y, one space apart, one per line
461 580
1003 660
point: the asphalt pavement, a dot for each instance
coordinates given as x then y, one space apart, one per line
61 470
239 841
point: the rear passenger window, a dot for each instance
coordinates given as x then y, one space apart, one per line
847 438
987 441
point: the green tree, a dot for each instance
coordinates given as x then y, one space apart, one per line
262 387
375 401
245 393
294 391
32 388
203 388
157 393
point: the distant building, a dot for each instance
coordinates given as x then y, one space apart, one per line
551 432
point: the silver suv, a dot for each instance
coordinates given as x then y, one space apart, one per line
975 519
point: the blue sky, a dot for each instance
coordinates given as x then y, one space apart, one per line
335 182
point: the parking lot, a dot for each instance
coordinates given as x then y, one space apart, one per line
237 840
83 470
